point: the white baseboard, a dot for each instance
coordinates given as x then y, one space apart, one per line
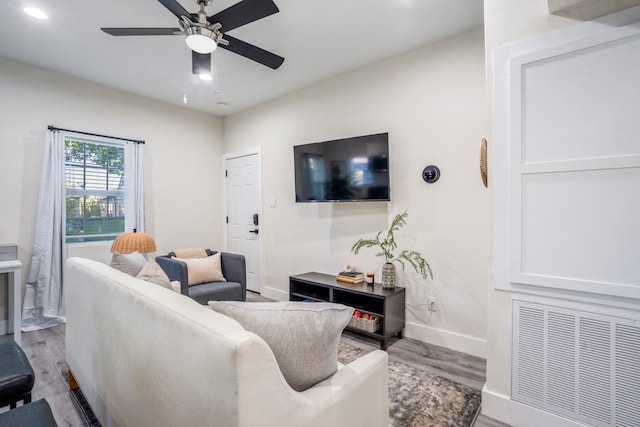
450 340
275 294
501 408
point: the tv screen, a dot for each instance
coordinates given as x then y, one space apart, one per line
343 170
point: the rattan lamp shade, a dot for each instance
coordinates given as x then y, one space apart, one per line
133 242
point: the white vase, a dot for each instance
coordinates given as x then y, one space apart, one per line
389 275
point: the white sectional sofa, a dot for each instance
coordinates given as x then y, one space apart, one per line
146 356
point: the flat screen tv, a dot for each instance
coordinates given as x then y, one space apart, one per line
343 170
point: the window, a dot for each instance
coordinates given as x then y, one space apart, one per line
361 171
313 167
94 190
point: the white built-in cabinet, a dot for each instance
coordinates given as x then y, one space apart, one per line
567 162
566 179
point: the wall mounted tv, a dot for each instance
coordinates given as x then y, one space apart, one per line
343 170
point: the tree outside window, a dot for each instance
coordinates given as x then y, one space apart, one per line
94 190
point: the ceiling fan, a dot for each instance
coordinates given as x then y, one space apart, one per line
204 33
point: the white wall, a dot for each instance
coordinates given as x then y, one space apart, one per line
506 22
432 102
182 157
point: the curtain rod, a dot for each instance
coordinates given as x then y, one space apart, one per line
137 141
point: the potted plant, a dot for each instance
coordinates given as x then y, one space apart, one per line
387 244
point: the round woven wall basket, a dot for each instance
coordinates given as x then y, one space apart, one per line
483 161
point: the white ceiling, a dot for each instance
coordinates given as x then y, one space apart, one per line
319 39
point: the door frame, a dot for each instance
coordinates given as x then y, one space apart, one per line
225 232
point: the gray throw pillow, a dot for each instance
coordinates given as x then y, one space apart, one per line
303 336
128 263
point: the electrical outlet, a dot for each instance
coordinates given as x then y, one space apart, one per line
432 304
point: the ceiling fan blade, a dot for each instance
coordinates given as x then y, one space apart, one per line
175 8
252 52
142 31
243 12
200 62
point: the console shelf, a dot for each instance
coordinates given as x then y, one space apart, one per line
386 304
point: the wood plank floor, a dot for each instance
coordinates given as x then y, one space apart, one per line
45 349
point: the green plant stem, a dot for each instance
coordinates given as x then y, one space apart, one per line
389 245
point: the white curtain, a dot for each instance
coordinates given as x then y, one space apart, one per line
43 303
133 176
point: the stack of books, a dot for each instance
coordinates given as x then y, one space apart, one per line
349 277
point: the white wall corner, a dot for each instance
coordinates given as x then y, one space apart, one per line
451 340
502 408
4 327
275 294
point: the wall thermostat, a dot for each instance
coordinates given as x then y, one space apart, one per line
431 174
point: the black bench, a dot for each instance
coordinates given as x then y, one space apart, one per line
16 375
36 414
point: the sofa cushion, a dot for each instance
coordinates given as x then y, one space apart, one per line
152 272
304 337
128 263
217 291
204 270
190 253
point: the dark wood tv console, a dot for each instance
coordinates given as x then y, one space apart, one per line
386 304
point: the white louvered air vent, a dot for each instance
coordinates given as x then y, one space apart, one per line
580 365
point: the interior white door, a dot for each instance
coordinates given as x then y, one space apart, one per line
243 213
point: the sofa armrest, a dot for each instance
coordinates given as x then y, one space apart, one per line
359 390
356 395
234 268
175 270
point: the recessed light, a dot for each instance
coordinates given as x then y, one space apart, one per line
205 77
221 104
35 12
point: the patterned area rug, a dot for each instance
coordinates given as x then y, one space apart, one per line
420 399
417 398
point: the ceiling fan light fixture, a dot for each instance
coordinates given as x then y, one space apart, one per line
201 40
35 12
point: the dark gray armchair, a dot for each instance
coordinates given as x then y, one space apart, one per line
234 269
